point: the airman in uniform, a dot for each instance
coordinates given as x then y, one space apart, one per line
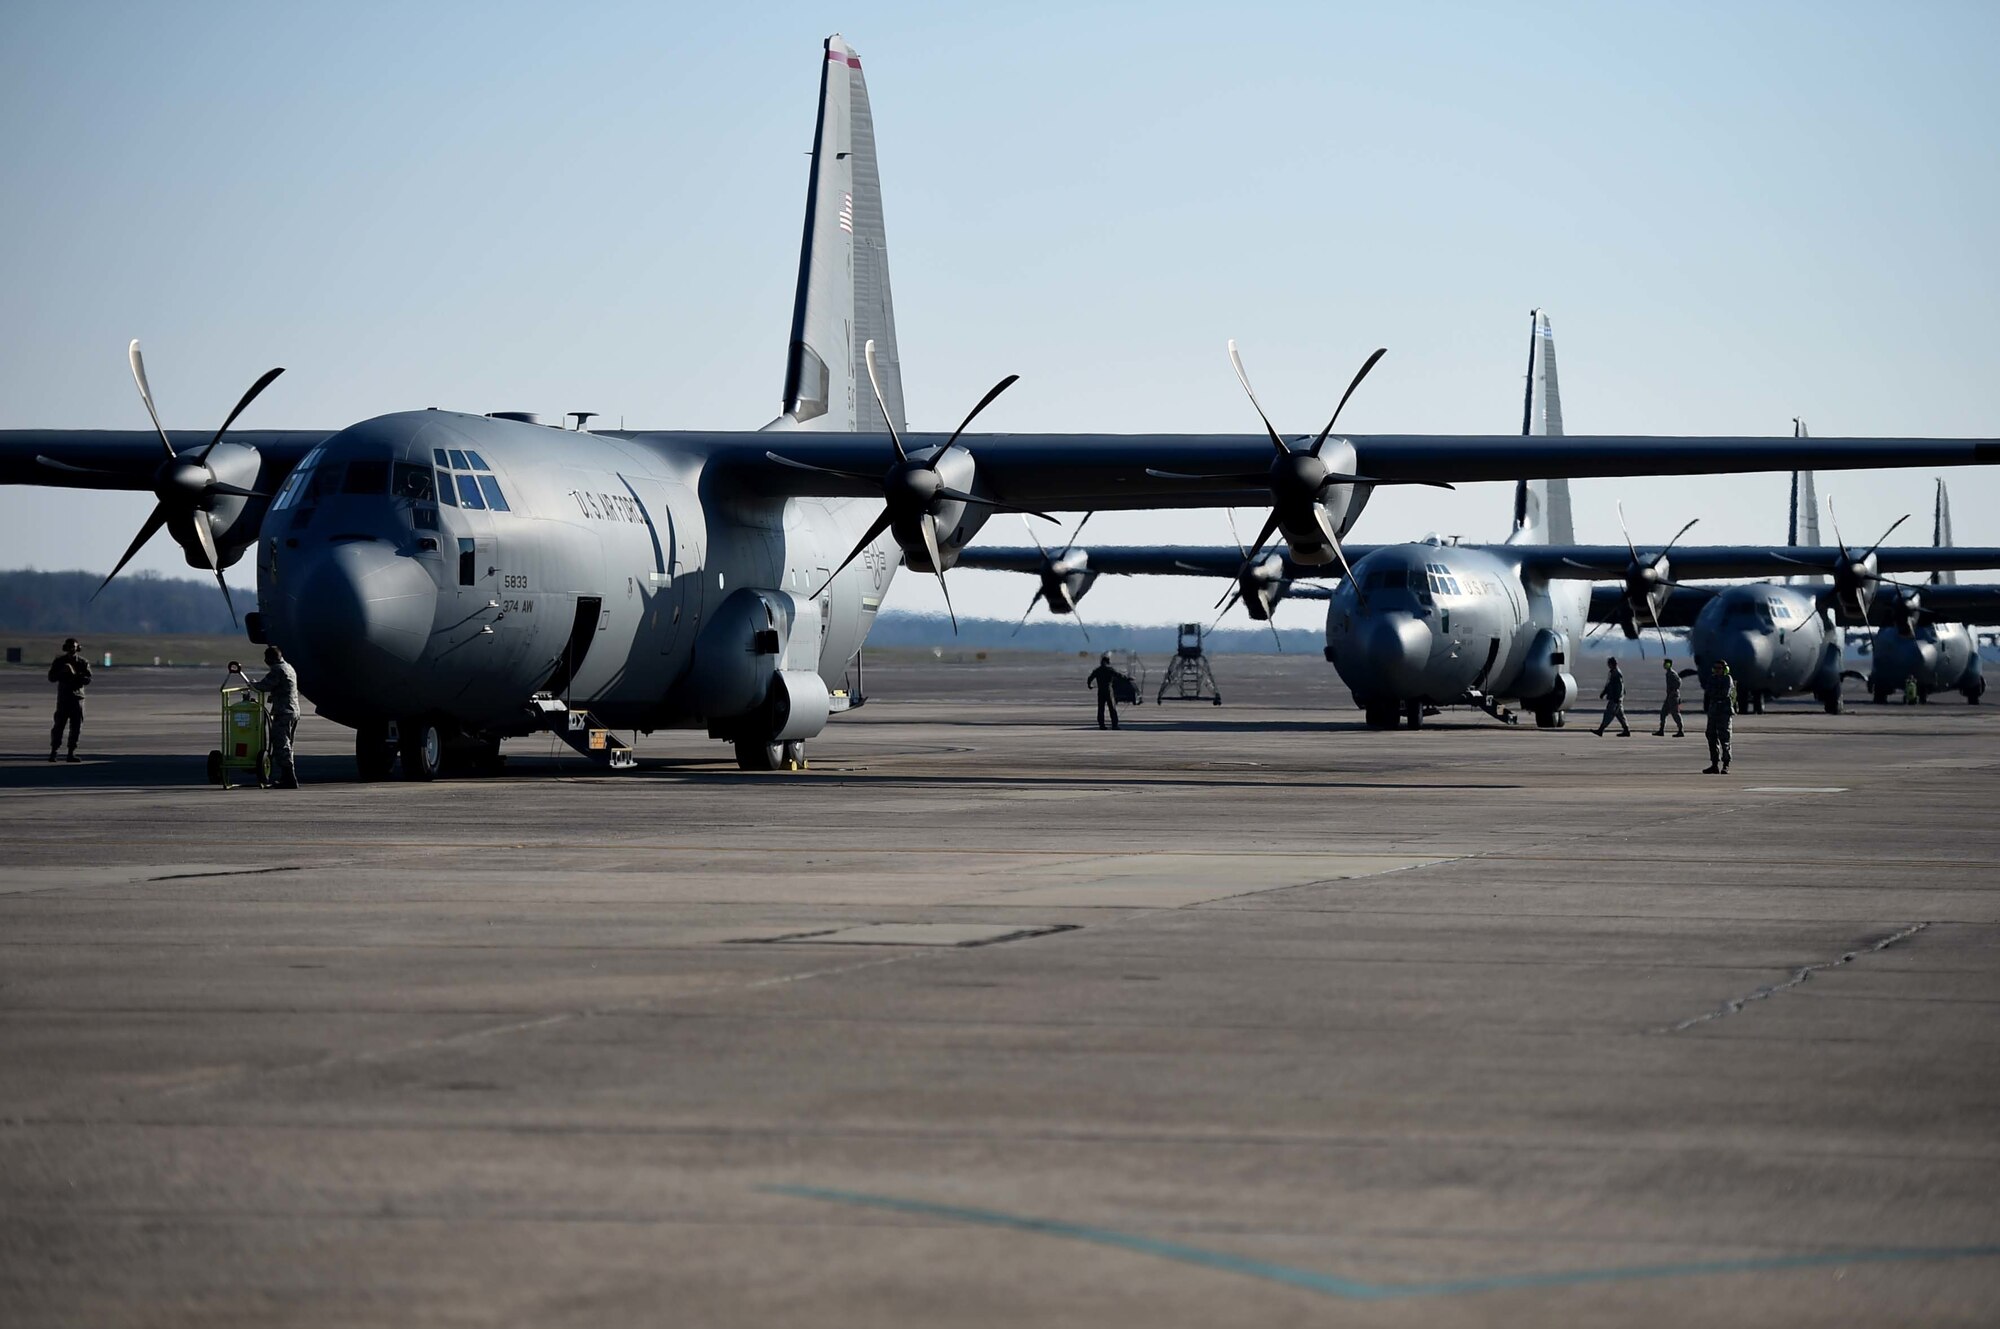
281 687
71 675
1672 705
1613 692
1718 701
1103 678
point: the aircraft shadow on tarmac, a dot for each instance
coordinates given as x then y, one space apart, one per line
175 771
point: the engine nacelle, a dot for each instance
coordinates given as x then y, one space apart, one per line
1312 516
1544 682
755 672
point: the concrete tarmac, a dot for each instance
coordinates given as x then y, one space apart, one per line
1243 1015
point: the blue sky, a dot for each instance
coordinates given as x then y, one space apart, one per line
1735 214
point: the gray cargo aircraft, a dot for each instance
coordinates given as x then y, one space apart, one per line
1435 623
1782 639
436 575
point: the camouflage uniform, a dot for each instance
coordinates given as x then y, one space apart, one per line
1718 700
1671 707
281 686
1613 692
71 675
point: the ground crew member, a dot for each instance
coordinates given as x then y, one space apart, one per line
1613 692
1103 678
1910 690
1718 701
1672 705
281 686
71 675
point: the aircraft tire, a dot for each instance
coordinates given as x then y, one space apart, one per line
423 750
1548 719
1881 697
374 754
757 755
1832 705
1413 715
1382 715
795 755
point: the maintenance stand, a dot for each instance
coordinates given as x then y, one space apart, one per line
1188 676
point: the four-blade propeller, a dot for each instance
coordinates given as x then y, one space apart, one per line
184 486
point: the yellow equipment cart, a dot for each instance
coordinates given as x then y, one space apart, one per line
245 749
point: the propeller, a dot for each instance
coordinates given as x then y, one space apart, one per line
1646 580
1054 578
1854 577
1251 579
183 486
1298 477
914 489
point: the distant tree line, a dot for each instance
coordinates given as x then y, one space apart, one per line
145 602
138 602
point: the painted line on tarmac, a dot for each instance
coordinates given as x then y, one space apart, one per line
1357 1289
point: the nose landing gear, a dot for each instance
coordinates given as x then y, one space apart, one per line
754 755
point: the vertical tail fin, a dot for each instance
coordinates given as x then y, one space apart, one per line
843 298
1541 507
1941 535
1802 527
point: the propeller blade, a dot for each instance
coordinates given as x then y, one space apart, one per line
1886 534
1227 598
226 598
1276 636
1626 531
146 394
960 496
1236 361
1073 613
153 524
1226 477
874 480
1078 531
55 465
1229 515
1572 563
984 402
206 538
881 524
1263 536
1035 600
1341 554
1834 518
234 491
875 382
1231 597
928 525
953 613
246 399
1795 562
1380 351
1186 566
1037 539
1677 537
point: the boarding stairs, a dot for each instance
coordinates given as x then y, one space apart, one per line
582 732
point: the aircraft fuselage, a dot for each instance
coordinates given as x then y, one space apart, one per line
450 566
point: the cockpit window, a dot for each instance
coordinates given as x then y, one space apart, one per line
325 480
494 498
438 456
368 476
478 462
458 461
446 494
468 493
414 481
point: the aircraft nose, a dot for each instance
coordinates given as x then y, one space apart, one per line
1397 647
361 601
1750 655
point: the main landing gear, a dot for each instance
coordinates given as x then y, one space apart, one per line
756 755
421 747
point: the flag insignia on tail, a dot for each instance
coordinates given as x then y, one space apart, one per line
847 213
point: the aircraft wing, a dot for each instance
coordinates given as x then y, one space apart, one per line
128 458
1947 604
1081 472
1608 562
1151 560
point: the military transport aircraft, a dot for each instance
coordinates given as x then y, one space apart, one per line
1434 623
436 575
1782 639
